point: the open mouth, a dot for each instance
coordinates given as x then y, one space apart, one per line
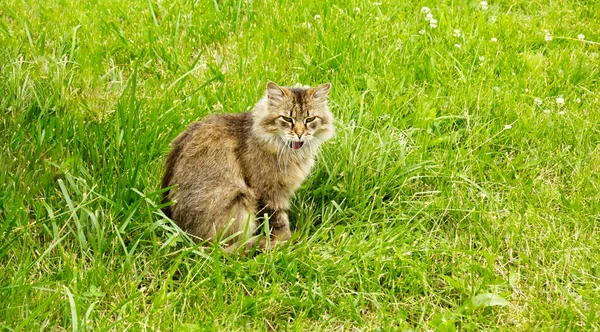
296 145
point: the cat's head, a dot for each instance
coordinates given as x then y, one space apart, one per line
297 117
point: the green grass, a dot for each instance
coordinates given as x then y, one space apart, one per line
449 199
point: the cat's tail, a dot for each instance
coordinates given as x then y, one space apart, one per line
170 165
166 180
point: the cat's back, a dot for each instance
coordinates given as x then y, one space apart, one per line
209 145
217 131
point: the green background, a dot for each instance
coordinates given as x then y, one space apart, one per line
449 199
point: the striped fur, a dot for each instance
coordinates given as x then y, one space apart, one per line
231 169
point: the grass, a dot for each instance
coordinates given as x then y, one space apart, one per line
449 200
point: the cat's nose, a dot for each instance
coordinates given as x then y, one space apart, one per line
300 134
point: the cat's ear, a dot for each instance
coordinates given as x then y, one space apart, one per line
320 92
275 93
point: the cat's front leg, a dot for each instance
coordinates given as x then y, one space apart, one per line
275 209
280 226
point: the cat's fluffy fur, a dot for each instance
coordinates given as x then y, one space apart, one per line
232 169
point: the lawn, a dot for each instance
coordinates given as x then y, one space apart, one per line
462 191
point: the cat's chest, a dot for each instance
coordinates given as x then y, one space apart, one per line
292 176
285 177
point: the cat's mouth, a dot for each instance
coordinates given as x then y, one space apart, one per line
296 145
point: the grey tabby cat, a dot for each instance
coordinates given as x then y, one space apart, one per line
233 169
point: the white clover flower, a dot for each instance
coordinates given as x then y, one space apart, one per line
578 100
561 112
538 101
306 25
548 36
457 45
429 17
484 5
357 10
547 111
376 4
527 90
421 32
425 10
433 23
482 58
317 17
507 127
581 36
457 33
494 39
560 101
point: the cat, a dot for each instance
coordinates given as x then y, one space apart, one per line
230 170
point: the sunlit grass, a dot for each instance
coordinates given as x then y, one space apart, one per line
461 191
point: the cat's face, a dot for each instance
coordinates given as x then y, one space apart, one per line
297 117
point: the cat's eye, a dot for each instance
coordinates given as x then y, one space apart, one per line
311 119
285 118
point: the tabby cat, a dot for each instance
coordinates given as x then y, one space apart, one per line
232 170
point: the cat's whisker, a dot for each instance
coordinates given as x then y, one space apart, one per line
278 153
287 152
280 148
283 156
284 153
